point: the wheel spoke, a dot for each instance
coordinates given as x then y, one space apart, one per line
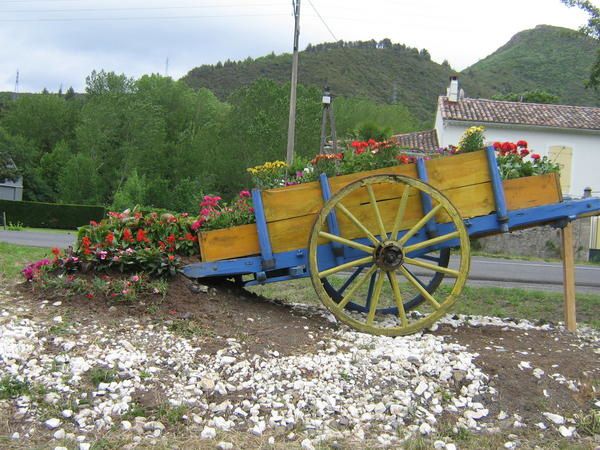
345 266
382 232
441 269
375 300
426 218
398 298
342 304
430 242
400 213
350 279
358 223
347 242
416 283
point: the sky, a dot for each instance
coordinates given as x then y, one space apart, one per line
54 43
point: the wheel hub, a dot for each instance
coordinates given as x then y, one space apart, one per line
389 256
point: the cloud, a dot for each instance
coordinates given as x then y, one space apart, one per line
50 53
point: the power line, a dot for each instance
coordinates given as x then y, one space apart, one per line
81 19
137 8
322 20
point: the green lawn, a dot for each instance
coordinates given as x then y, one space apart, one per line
488 301
14 257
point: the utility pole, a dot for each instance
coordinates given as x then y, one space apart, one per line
16 92
292 121
327 113
167 67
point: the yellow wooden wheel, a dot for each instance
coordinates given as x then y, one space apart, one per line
384 239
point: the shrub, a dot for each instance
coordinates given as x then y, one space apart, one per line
50 215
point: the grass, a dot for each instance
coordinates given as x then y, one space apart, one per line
15 227
490 301
14 257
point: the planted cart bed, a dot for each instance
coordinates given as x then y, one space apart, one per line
377 244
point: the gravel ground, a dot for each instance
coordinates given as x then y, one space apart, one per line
74 382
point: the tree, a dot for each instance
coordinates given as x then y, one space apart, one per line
108 82
592 29
535 96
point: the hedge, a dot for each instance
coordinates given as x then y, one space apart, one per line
50 215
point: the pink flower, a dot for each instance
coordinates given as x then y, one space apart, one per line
135 278
245 194
205 212
197 224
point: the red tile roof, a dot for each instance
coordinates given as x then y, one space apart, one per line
426 141
533 114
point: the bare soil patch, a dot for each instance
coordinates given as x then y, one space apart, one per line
225 311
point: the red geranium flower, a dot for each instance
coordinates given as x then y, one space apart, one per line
56 251
127 236
109 238
522 144
524 152
497 145
245 194
535 156
141 236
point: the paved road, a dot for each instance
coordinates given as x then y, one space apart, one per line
484 271
528 274
38 239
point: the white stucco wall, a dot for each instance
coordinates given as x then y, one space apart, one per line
585 145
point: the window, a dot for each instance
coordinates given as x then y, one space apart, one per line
563 156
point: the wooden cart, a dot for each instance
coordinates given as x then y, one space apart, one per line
377 244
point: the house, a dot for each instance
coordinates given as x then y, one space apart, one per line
11 190
568 135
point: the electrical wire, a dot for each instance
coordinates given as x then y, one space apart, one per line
322 20
138 8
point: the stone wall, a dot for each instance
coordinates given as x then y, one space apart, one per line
539 242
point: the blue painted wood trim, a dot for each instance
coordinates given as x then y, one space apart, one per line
498 188
332 222
268 262
477 226
426 202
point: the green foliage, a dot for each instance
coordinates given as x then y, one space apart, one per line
365 69
49 215
135 241
11 387
592 29
554 59
471 140
535 96
371 130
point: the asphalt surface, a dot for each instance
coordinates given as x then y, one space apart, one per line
38 239
484 271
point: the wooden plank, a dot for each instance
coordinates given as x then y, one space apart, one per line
533 191
458 170
444 173
569 277
229 243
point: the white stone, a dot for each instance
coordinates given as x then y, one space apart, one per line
59 434
425 428
52 423
509 444
208 433
84 446
307 445
439 445
15 436
66 413
224 445
57 319
450 446
554 418
541 425
271 440
566 431
126 425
